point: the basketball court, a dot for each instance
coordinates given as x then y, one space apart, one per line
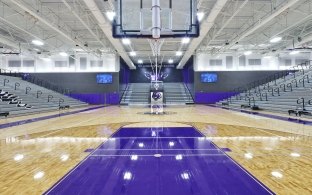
158 97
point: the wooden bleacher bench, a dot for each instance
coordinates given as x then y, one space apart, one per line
5 114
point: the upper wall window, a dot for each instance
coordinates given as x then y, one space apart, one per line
215 62
14 63
253 62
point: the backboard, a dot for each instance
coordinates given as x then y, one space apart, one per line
134 19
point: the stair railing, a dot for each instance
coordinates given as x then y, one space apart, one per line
50 97
283 86
265 95
289 85
302 80
39 93
28 89
61 100
251 99
277 90
295 81
16 85
302 102
5 81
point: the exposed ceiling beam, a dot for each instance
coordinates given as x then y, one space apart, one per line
228 21
259 24
49 24
205 27
107 29
83 23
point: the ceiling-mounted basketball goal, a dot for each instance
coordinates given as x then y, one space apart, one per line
134 18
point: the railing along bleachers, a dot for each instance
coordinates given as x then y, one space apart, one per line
283 92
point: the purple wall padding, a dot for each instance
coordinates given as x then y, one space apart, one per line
211 97
98 98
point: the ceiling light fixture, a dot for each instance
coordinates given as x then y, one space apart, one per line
185 40
126 41
63 54
132 53
200 16
276 39
140 61
247 53
37 42
170 61
110 15
179 53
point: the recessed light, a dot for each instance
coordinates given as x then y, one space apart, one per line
127 175
248 155
185 40
294 154
39 175
134 157
247 53
18 157
110 15
63 54
185 176
276 39
179 53
276 174
200 16
294 52
37 42
140 61
178 157
126 41
132 53
170 61
64 157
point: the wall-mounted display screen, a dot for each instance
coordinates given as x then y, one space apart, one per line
104 78
208 77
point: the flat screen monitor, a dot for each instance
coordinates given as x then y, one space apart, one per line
104 78
208 77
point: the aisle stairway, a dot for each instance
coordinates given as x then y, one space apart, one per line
174 93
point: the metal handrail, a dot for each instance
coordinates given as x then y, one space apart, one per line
28 89
5 81
302 80
50 97
295 81
17 84
39 93
61 100
302 102
290 86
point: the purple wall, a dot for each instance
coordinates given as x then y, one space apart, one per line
211 97
98 98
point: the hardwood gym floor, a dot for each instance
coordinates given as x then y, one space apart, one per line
36 155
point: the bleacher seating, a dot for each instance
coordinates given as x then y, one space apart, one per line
28 98
290 93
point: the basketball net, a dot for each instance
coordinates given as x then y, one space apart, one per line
156 64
